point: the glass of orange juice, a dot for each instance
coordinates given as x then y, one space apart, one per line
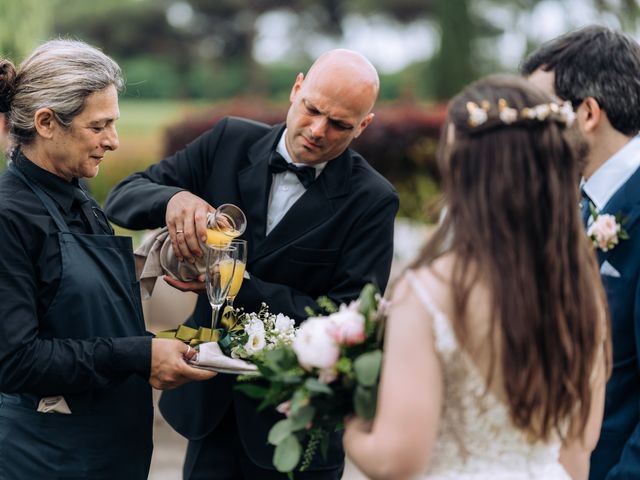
241 264
219 275
227 223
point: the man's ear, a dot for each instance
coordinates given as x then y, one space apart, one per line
590 114
296 86
45 122
364 124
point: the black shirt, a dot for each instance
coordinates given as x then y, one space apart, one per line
30 270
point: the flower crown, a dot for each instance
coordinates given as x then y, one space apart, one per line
479 114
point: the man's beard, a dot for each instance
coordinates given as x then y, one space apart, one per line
579 145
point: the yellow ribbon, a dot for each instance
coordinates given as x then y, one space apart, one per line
191 336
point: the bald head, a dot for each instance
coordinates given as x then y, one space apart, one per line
348 73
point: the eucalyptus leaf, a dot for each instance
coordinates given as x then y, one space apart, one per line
367 368
280 431
368 298
302 417
287 454
299 399
364 401
316 386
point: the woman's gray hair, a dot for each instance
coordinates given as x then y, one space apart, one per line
60 75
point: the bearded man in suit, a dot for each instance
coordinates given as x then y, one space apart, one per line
598 70
320 222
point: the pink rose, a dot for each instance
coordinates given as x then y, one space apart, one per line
314 346
604 232
347 326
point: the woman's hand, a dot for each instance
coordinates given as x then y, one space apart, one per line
186 219
169 368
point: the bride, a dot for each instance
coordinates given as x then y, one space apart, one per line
496 352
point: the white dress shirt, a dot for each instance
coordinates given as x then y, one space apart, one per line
286 189
612 174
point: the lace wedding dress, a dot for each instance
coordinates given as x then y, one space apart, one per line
477 439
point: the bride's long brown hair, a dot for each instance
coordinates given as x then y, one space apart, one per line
512 221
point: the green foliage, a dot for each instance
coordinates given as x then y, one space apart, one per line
287 454
151 77
326 304
280 431
367 368
365 401
23 25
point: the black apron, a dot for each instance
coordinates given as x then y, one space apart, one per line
108 435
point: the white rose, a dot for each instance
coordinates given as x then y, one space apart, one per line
314 345
347 326
284 324
254 326
255 343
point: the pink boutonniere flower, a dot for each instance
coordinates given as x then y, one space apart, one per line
606 230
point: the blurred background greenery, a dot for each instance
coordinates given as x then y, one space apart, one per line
189 62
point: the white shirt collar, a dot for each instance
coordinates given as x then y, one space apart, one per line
613 173
282 150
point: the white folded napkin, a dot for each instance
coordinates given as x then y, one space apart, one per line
210 356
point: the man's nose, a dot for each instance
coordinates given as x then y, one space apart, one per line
318 127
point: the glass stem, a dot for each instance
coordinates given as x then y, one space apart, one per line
214 316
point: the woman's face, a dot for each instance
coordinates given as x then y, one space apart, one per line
77 151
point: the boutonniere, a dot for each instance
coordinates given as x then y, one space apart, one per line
606 230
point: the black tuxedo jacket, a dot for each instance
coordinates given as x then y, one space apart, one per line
337 237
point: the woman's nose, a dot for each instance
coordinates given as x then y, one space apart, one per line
111 140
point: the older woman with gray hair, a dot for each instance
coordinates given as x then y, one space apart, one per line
76 364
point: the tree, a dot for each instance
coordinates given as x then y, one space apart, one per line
23 25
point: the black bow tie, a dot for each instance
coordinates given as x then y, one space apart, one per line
306 175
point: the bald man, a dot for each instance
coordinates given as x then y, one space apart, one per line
320 222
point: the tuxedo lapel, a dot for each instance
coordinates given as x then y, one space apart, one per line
254 182
313 208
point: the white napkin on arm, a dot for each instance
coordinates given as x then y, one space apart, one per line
210 356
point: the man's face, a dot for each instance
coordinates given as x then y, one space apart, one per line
323 119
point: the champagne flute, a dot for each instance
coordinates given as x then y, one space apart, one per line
227 223
220 267
238 276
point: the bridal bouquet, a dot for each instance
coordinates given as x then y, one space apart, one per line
327 369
